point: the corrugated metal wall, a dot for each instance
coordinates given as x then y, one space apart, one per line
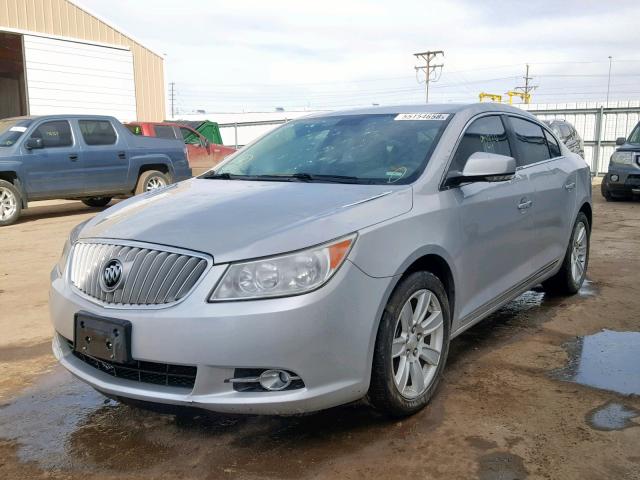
63 18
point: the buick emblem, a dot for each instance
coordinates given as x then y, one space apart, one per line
111 276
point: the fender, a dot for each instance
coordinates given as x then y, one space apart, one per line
15 167
138 161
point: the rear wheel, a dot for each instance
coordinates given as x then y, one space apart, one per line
97 202
411 346
10 203
151 180
571 275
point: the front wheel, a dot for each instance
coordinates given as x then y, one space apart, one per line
411 346
573 271
10 203
97 202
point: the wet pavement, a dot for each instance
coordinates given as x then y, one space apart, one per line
608 360
545 388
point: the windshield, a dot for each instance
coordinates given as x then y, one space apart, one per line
11 129
378 148
635 135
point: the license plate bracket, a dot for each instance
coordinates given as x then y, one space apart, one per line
104 338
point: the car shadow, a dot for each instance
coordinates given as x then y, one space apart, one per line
40 212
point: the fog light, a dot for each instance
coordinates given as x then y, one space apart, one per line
614 177
275 380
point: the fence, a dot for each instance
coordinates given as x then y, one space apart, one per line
597 125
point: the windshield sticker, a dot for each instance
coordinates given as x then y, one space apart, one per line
422 116
395 175
18 129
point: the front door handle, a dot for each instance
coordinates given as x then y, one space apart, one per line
570 186
524 205
73 157
122 155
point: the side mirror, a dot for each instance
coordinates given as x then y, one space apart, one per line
484 167
621 141
33 143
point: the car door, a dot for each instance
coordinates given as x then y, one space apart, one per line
495 221
198 151
548 172
105 157
52 165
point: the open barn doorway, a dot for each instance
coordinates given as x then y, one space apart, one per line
13 97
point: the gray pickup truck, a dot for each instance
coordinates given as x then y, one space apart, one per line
89 158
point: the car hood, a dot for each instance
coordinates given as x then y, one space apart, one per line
236 220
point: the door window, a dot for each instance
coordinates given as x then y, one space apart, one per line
164 131
487 134
190 137
554 148
54 134
530 141
97 132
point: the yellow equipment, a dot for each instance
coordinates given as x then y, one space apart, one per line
492 96
526 97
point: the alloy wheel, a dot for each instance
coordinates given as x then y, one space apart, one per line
579 253
154 183
417 344
8 203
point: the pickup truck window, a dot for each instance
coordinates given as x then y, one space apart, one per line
54 134
164 131
11 129
190 137
97 132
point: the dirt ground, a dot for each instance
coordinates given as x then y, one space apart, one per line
508 408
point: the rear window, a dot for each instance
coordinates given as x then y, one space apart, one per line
135 129
97 132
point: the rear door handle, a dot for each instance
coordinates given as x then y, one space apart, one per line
570 186
122 155
524 205
73 157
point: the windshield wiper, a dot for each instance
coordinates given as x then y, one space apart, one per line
221 176
314 177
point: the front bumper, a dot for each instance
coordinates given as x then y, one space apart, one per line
622 180
326 337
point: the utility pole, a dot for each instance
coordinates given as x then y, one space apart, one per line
172 98
527 89
609 81
430 71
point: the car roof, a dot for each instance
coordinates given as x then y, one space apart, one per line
60 116
427 108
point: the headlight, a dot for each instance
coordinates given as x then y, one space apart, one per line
73 236
284 275
622 158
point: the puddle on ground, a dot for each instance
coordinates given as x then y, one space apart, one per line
606 360
501 466
612 416
61 423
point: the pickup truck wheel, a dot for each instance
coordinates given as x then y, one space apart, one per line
411 346
150 180
10 203
97 202
571 275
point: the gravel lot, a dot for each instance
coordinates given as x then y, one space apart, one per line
513 404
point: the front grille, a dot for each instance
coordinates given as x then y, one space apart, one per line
183 376
149 276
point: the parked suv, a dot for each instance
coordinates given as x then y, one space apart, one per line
568 135
623 178
90 158
201 153
334 258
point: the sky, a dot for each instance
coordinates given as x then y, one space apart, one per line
252 55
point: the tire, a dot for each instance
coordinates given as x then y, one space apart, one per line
10 203
570 278
150 180
97 202
385 393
